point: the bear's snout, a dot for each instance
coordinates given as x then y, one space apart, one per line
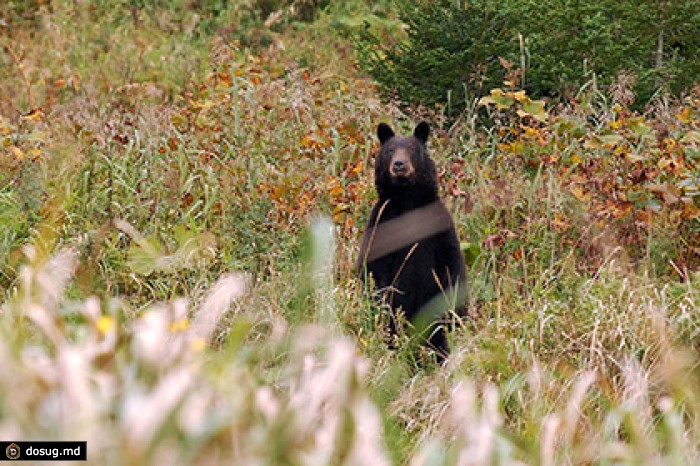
400 165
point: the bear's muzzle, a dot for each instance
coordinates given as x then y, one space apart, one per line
400 165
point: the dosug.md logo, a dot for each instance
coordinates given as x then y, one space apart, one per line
12 451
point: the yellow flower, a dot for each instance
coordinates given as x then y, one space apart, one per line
105 324
198 345
179 325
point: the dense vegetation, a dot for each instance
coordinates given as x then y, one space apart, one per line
453 51
182 188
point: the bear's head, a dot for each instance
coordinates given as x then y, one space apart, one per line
403 162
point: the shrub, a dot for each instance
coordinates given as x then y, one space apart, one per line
451 50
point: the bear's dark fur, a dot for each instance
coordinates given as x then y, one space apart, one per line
410 247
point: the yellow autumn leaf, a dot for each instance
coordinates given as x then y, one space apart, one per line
5 128
664 162
34 154
340 208
685 115
34 115
358 168
520 96
579 193
336 191
486 100
16 152
225 78
559 222
531 132
617 124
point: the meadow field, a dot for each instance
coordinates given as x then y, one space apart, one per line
183 188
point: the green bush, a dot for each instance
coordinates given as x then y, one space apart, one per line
658 42
448 53
451 50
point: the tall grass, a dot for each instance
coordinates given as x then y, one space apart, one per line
145 387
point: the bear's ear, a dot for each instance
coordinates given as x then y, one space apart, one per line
384 132
422 131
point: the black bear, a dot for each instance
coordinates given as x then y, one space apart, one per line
410 246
